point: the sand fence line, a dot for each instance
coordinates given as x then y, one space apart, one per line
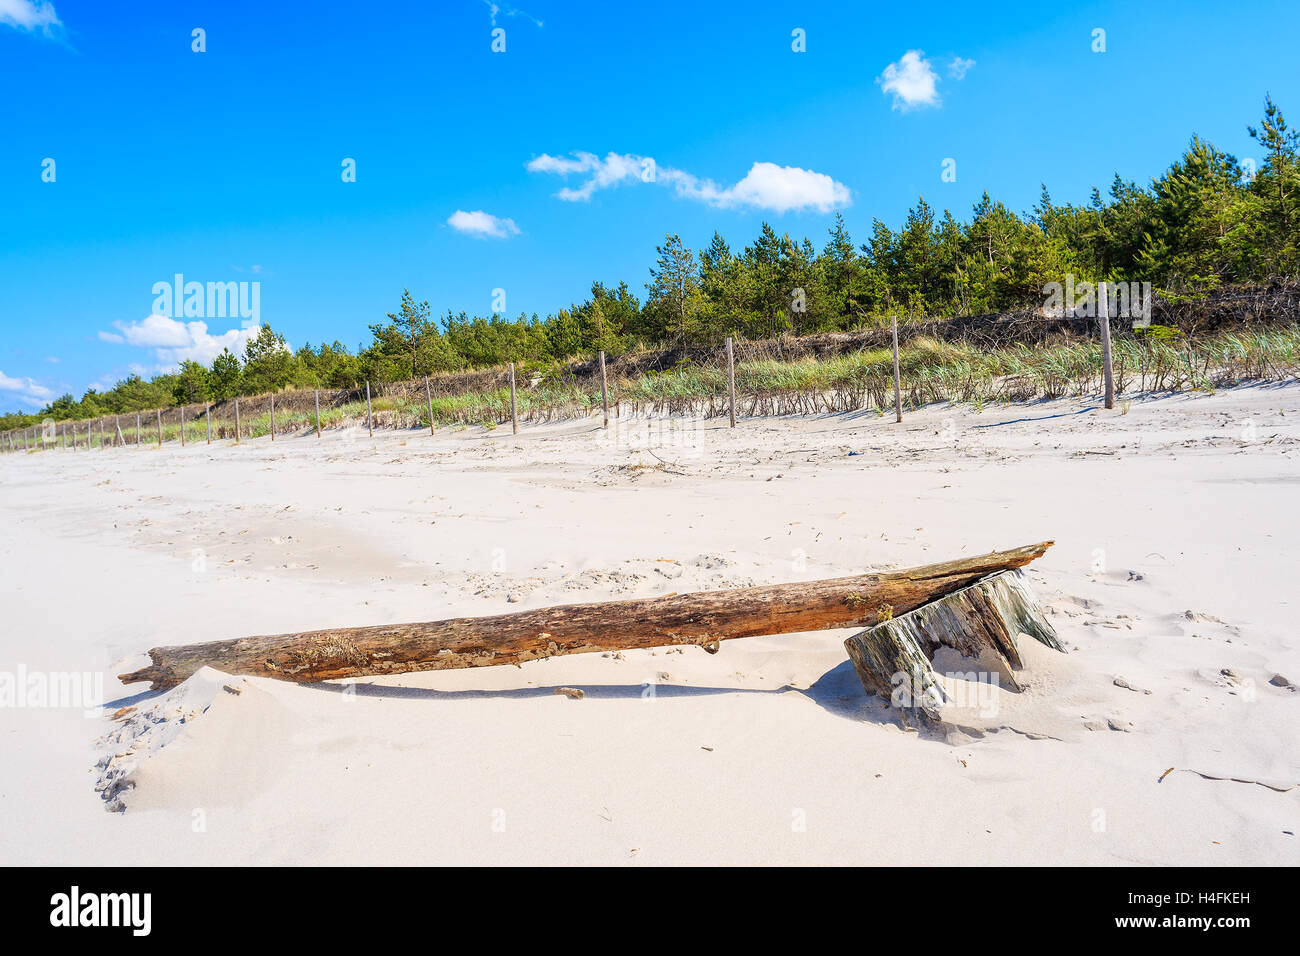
494 396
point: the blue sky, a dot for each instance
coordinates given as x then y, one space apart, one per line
226 165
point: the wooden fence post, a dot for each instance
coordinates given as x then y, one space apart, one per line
318 413
898 386
158 413
236 421
138 439
604 391
731 381
370 422
429 398
273 416
1107 371
207 419
117 428
102 444
181 414
514 411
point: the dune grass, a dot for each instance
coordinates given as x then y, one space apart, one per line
931 371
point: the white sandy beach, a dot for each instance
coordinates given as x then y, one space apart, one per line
1174 571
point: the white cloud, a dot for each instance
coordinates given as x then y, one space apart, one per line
157 331
615 168
495 10
779 188
765 186
911 80
558 164
173 341
26 391
104 383
958 68
29 15
481 225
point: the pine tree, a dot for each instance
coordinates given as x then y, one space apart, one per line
673 285
1276 185
839 266
226 380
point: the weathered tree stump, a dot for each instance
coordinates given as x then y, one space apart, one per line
981 621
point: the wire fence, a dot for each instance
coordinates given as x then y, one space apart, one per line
828 374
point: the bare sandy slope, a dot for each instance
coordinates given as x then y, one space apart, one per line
1176 561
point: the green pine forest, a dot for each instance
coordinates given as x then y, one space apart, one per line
1210 220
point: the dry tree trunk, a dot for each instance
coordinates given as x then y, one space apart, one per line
703 618
981 622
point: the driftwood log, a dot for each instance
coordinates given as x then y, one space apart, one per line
704 619
980 622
